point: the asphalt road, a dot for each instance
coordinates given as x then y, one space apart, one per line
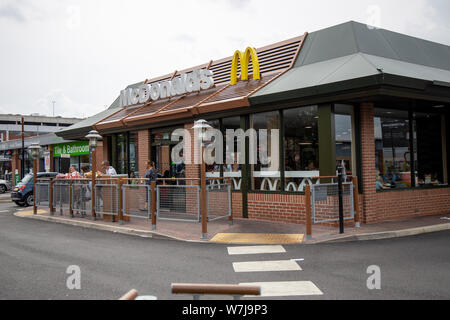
35 255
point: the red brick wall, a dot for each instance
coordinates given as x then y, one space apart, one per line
410 203
236 204
277 207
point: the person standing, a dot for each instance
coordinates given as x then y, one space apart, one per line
151 175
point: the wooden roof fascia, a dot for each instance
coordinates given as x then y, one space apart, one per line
134 112
194 109
103 119
298 50
170 104
148 116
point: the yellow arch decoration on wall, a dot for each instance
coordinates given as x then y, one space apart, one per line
244 58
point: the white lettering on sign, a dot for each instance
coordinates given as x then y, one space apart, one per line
185 83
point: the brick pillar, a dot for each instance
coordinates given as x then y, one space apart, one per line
192 170
143 147
368 162
99 155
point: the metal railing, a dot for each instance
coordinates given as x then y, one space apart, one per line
325 202
81 203
179 201
61 196
122 199
107 197
136 198
218 199
42 192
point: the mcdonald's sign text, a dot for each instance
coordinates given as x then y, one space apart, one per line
185 83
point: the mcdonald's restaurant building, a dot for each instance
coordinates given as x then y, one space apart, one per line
374 100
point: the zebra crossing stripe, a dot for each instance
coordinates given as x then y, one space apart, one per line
260 266
286 288
255 250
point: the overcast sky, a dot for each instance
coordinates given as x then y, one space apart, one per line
82 53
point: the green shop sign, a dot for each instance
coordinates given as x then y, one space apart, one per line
77 148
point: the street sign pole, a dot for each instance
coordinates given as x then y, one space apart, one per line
341 205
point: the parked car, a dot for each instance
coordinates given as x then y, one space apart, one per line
5 185
22 194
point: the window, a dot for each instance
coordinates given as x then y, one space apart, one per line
265 170
301 146
344 137
392 149
161 151
410 150
232 168
428 144
123 153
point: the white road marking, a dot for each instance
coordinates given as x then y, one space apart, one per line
3 211
286 288
258 266
255 249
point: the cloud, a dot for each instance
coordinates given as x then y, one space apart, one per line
65 106
12 10
21 10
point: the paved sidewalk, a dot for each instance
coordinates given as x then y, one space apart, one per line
245 231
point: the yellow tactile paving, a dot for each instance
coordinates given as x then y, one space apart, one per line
26 213
258 238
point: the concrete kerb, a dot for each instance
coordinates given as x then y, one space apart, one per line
386 234
103 227
156 235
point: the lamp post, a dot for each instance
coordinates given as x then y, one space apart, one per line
93 137
34 150
200 127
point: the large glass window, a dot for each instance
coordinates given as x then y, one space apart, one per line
265 171
392 149
133 154
344 137
214 168
409 153
232 168
301 146
429 148
123 153
161 151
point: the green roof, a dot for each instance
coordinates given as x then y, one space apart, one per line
352 51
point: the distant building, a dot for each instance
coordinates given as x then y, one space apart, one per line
35 125
37 128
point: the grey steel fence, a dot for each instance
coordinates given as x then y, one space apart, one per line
81 197
218 201
61 196
179 202
136 200
325 202
42 193
107 198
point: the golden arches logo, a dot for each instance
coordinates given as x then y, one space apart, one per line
244 58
